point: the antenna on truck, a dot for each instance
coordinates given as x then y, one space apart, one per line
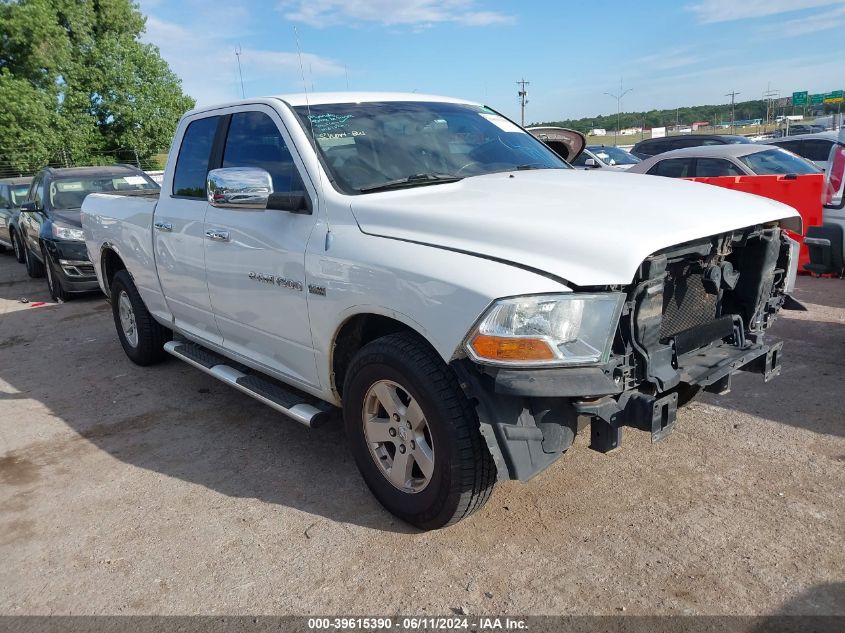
329 236
238 52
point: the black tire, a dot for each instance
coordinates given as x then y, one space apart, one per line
151 336
34 268
54 281
463 474
17 246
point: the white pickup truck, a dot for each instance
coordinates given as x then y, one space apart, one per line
423 263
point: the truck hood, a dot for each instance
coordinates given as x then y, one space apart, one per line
588 228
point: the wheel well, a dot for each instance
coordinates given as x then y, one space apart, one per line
111 264
353 335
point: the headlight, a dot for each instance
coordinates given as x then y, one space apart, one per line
565 329
62 232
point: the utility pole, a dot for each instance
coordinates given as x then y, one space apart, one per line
618 98
523 94
770 104
733 95
238 52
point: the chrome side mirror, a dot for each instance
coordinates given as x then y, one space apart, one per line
591 163
239 187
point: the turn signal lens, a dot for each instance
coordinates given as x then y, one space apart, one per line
513 349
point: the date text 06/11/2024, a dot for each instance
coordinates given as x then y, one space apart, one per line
417 624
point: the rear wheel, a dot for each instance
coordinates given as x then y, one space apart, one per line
413 433
17 247
141 336
34 268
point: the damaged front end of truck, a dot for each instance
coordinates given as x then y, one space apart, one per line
694 315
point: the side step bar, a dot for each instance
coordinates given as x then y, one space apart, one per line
302 408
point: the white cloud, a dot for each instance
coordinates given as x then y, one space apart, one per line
321 13
823 21
208 67
710 11
675 58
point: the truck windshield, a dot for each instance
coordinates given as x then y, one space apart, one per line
68 193
376 146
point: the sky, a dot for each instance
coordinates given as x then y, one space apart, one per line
669 53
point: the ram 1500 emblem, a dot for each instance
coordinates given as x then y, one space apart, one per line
279 281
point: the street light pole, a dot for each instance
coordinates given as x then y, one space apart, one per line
618 98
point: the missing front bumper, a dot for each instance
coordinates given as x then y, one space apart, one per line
710 369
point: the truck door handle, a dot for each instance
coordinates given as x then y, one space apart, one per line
217 235
163 226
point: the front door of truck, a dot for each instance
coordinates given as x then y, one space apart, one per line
255 258
179 236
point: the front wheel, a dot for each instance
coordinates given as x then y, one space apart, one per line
141 336
54 281
413 433
34 268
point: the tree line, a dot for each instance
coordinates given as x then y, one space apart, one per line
78 87
744 110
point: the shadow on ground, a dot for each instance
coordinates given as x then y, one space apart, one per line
171 418
175 420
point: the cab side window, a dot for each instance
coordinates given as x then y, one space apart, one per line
255 141
192 162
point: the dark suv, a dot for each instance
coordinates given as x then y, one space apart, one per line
12 194
50 225
654 146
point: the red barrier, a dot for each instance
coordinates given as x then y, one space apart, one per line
803 193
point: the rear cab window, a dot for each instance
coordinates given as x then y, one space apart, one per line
193 160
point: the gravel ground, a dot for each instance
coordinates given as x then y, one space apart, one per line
126 490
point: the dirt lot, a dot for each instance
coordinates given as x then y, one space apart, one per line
159 490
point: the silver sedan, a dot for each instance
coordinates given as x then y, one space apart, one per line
725 160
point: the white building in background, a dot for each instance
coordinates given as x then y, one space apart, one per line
599 131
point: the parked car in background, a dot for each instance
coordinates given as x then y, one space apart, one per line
654 146
605 157
443 277
12 194
814 147
51 228
750 159
798 128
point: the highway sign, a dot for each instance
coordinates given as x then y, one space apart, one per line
799 98
833 97
817 99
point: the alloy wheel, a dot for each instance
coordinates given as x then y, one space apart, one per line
398 436
127 319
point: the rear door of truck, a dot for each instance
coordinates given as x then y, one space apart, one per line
178 233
